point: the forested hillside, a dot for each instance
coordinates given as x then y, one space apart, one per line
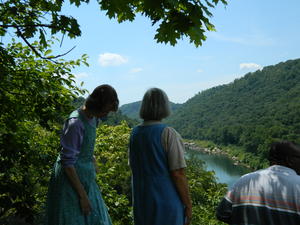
250 112
132 109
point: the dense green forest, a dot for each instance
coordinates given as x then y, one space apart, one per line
132 109
250 112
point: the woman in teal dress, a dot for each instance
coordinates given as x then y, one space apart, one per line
74 197
160 189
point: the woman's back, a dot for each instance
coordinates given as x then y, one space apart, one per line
156 200
147 153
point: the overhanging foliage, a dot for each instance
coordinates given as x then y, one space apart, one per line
176 18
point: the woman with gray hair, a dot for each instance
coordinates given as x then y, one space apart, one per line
160 189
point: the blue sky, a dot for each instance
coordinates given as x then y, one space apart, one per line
250 34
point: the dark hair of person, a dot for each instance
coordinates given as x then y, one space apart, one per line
155 105
102 96
279 151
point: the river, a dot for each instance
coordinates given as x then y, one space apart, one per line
225 170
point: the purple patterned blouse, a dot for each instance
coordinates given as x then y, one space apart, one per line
72 138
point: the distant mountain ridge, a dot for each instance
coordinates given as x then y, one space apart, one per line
132 109
251 112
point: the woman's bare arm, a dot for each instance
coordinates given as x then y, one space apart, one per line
76 184
181 183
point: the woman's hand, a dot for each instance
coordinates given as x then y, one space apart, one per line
85 205
188 215
96 165
179 178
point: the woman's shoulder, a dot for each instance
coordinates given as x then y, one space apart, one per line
150 125
171 130
74 114
74 121
171 133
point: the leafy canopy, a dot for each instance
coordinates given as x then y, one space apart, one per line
176 18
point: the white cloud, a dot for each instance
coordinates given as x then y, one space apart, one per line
250 66
136 70
199 71
111 59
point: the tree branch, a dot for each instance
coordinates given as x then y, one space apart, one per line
57 56
31 25
36 52
34 25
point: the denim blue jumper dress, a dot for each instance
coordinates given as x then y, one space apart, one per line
155 198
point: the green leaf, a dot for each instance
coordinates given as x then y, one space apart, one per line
42 39
49 51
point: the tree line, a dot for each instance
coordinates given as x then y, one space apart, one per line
132 109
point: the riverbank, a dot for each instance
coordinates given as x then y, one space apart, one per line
212 149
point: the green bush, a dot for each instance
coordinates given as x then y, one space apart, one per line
114 176
25 183
114 179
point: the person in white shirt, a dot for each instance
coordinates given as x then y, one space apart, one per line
269 196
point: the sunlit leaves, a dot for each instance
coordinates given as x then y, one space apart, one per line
36 94
114 176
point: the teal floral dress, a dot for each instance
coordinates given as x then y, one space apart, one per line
63 207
